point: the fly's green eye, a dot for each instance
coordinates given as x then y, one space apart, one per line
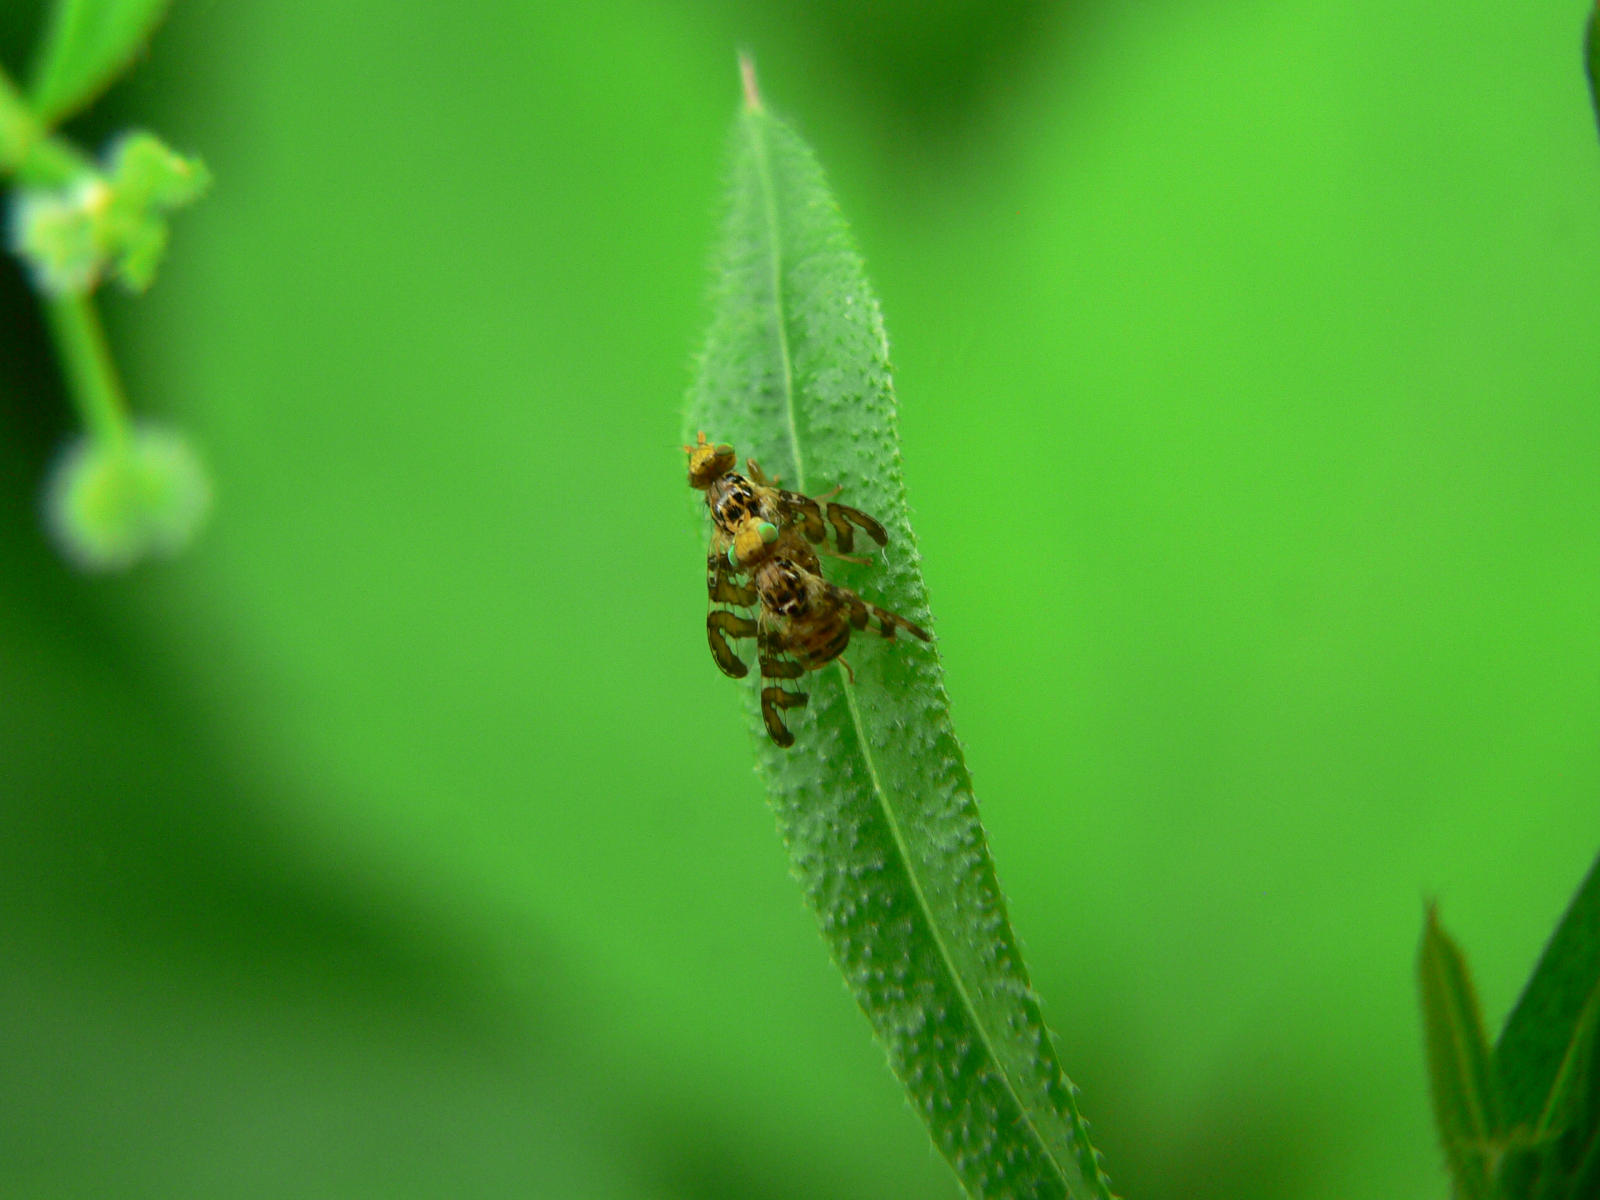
724 450
768 532
733 556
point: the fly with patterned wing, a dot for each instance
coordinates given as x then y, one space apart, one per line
761 556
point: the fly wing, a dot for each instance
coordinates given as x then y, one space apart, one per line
780 674
726 595
819 516
888 622
863 614
841 517
841 520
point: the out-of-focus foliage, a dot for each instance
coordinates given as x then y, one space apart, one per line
88 43
401 839
1466 1096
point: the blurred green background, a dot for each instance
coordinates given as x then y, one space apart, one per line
402 840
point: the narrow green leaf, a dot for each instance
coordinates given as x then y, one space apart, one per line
1546 1059
88 44
1573 1090
1560 1154
1542 1026
874 802
1584 1181
1591 58
1466 1105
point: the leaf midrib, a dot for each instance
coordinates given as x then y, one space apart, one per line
769 206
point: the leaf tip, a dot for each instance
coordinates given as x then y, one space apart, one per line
747 77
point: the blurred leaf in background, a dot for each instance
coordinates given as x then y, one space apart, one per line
401 840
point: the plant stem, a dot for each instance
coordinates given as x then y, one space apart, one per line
91 375
26 148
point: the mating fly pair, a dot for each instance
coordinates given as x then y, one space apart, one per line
761 556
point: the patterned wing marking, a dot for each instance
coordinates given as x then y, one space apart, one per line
863 613
808 513
721 624
842 517
779 671
725 593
